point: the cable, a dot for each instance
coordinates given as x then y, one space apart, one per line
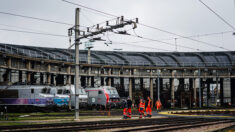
186 47
93 12
159 41
36 18
21 28
89 8
127 43
87 18
209 44
179 37
221 18
21 31
200 35
40 19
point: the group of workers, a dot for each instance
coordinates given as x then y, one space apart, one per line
142 108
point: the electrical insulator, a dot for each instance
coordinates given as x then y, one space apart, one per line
97 26
70 32
69 40
122 19
88 30
117 22
107 23
136 20
134 25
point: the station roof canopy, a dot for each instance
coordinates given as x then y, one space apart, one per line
160 59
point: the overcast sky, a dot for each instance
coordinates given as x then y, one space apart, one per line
184 17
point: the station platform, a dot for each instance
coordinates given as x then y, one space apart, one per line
201 113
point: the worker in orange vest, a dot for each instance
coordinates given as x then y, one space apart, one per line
158 105
141 108
149 108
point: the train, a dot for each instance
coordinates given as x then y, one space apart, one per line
103 97
43 97
30 97
25 97
82 96
61 95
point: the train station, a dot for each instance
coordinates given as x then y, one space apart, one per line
178 77
117 66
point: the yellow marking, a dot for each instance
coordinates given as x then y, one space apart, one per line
175 113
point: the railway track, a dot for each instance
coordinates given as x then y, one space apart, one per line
175 126
164 124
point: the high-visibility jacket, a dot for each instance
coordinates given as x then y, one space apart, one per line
158 104
149 104
142 106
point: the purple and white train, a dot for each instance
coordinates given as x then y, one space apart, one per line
26 95
39 96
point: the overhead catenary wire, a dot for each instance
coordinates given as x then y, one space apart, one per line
39 19
181 36
192 36
18 27
150 39
96 13
87 18
30 32
35 18
186 47
199 35
126 43
155 28
108 14
220 17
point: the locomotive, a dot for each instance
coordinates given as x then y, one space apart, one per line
25 96
39 97
103 97
82 96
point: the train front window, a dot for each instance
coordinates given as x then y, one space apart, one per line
82 91
112 91
46 90
100 92
60 91
109 91
115 91
66 92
